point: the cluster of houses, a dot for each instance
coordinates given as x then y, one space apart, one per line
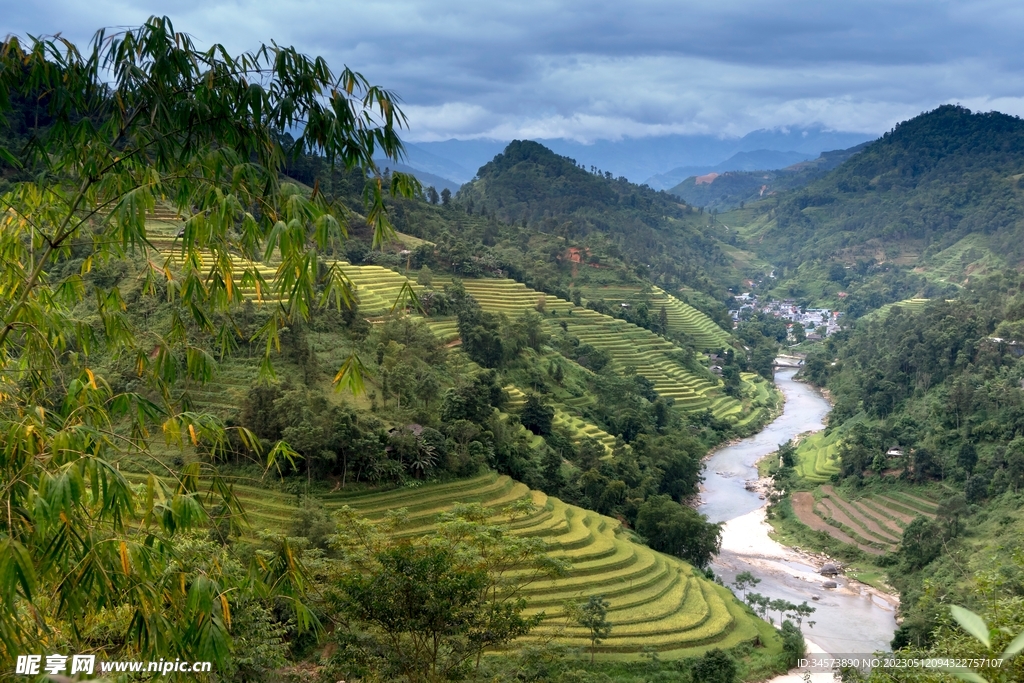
812 319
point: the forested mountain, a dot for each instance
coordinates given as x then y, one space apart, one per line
654 233
929 183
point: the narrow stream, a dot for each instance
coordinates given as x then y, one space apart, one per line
852 619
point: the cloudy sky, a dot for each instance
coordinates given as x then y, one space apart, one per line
599 69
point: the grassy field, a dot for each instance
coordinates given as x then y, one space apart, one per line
658 602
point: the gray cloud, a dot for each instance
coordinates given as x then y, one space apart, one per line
589 69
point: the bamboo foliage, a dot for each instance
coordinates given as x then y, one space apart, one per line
140 118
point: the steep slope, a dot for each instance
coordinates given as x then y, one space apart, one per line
658 602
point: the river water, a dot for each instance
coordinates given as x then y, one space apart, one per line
852 619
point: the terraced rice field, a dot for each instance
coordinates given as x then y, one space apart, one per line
575 425
912 305
818 457
628 345
873 522
657 601
376 288
682 318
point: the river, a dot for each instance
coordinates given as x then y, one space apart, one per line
851 619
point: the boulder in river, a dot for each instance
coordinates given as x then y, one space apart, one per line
830 584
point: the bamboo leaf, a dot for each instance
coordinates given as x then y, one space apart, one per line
1015 646
350 376
972 623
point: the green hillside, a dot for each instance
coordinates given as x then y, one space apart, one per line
918 481
628 345
657 601
683 319
651 232
921 188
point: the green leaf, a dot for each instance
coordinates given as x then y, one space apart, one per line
1015 646
969 676
9 158
351 375
282 450
972 623
407 297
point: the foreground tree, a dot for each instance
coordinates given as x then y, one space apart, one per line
593 616
93 140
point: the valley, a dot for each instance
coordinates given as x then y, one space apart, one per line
266 404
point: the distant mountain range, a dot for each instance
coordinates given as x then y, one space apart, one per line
659 160
758 160
427 179
725 186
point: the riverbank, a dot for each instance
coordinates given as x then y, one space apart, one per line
735 495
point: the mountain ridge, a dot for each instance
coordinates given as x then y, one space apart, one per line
641 158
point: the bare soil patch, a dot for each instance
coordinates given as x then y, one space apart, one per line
803 507
838 515
858 519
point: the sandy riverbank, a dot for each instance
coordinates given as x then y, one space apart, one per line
748 537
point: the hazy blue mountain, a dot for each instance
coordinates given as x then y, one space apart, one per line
427 179
758 160
455 159
440 165
639 158
732 187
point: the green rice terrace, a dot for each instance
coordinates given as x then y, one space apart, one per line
912 305
682 318
376 289
818 457
630 346
657 602
870 521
